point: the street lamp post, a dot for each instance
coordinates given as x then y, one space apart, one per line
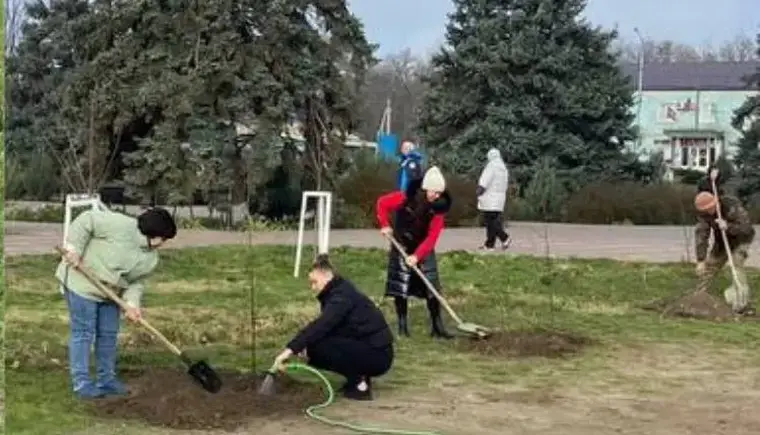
640 87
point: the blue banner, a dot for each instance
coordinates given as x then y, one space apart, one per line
387 146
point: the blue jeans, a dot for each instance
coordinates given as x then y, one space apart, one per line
98 323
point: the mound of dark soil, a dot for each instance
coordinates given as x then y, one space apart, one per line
544 343
700 305
171 399
697 305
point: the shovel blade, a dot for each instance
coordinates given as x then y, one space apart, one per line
205 376
267 387
474 330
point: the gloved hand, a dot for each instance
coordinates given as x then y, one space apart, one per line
701 268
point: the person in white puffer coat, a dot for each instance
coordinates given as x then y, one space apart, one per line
492 197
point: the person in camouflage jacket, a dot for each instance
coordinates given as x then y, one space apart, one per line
740 233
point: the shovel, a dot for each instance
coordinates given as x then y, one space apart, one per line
198 370
468 328
267 387
726 245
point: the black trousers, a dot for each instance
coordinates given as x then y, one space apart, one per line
494 228
350 358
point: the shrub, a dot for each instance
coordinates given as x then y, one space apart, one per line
632 203
688 176
46 213
519 209
351 216
464 210
544 194
358 191
362 186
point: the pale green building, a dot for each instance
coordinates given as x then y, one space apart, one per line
685 109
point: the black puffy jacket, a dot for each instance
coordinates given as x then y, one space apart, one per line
412 220
347 313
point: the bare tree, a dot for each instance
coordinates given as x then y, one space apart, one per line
686 53
86 158
398 79
743 48
708 53
14 19
727 51
630 51
740 49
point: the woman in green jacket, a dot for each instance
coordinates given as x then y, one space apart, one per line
120 251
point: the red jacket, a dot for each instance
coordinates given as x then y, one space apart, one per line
392 202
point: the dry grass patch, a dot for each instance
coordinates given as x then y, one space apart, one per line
36 286
569 303
189 287
47 319
664 366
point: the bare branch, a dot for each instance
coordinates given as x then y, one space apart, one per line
14 19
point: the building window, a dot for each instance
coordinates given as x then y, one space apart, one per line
702 162
696 153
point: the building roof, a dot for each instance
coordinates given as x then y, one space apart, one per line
680 76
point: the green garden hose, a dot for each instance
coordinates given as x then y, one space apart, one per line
312 410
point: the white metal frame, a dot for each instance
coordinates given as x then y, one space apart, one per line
78 200
322 224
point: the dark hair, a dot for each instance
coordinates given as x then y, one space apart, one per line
322 263
157 222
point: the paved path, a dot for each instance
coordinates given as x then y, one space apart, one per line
638 243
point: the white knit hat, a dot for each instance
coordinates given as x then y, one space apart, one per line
434 180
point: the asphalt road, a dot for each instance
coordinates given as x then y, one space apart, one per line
635 243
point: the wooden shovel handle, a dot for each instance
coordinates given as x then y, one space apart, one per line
427 282
726 245
121 303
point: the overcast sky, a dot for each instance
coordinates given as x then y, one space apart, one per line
419 24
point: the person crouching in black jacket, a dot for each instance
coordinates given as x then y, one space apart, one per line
350 337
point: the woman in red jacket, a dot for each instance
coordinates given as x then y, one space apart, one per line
419 220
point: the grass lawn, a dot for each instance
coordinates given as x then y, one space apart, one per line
643 375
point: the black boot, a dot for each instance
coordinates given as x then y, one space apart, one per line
358 389
402 310
437 329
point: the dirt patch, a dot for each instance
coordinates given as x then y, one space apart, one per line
698 305
544 343
170 399
701 305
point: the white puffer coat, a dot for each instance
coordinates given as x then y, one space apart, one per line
495 181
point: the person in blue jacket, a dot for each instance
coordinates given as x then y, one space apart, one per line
410 165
